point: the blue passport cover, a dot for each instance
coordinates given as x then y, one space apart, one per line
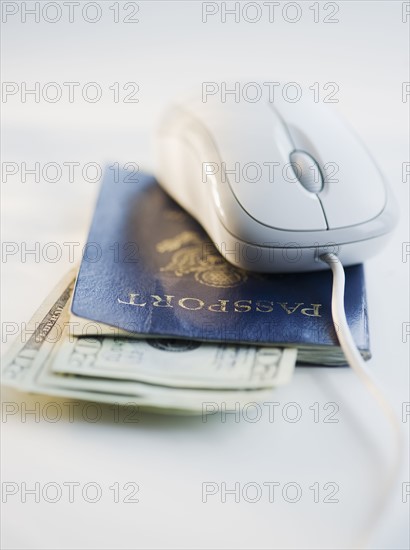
149 268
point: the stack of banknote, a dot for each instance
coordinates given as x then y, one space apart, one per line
155 316
163 374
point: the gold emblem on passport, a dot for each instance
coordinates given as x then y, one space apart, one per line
192 255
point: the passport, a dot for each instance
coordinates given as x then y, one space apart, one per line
149 269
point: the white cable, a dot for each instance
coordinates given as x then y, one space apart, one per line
357 363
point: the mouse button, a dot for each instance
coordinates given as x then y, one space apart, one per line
355 193
312 129
287 206
254 147
239 131
306 171
302 142
353 189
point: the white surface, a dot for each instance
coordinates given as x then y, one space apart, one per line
166 52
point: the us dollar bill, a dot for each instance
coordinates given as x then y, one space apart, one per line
176 363
151 374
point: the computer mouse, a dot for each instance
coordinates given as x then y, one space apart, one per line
275 184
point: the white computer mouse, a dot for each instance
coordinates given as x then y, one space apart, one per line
275 184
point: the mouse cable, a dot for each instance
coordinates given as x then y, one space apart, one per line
357 363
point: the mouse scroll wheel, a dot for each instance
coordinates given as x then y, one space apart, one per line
307 171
